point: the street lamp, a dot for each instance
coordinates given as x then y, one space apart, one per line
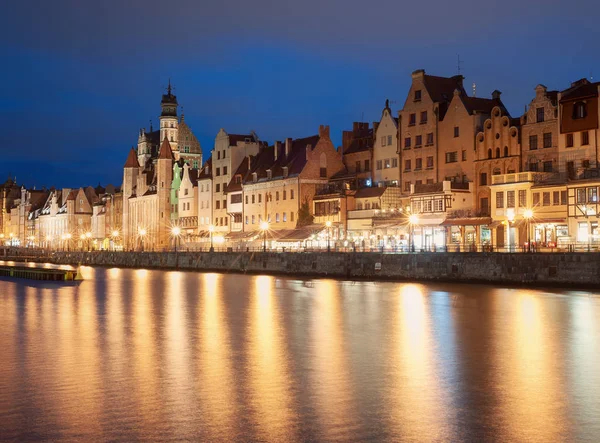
264 226
328 225
115 236
528 214
176 231
413 219
142 234
211 229
88 236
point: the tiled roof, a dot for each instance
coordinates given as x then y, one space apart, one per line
206 171
165 150
369 192
580 89
482 105
132 161
441 89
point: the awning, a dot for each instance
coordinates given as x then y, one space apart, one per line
300 234
470 221
240 235
548 220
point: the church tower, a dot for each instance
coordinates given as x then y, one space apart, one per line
169 124
164 178
130 175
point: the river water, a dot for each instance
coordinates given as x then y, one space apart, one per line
132 355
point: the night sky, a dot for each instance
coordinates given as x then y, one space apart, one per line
80 78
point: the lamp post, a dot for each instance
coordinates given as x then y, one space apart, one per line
328 225
115 236
413 219
528 214
142 233
211 229
176 231
264 226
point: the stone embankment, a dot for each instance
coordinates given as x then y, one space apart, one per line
544 269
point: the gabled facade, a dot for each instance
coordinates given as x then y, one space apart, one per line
357 152
384 166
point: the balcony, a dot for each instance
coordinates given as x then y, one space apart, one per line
532 177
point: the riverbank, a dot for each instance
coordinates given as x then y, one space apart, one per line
575 270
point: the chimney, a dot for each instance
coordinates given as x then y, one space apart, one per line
324 131
496 94
276 147
288 146
419 73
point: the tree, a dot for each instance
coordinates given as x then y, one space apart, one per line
305 218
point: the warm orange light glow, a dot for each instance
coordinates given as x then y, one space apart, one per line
264 226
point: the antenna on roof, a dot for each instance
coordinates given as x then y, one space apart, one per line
458 63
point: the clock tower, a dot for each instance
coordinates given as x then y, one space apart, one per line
169 125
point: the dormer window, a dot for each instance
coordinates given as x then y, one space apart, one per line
418 95
269 174
254 177
285 171
579 110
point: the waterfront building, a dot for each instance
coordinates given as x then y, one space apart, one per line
205 200
228 152
385 169
357 153
583 212
9 192
187 202
107 216
23 217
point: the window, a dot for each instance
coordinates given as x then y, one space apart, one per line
593 195
186 191
218 204
277 196
418 95
323 173
429 139
367 165
418 164
484 205
569 140
407 186
284 194
383 140
547 139
407 165
195 164
386 163
277 217
556 198
253 219
546 199
407 143
225 205
581 195
358 166
499 200
292 197
547 166
418 141
451 157
218 171
224 170
585 163
430 162
395 162
246 219
412 119
585 138
579 110
259 198
285 216
539 115
423 117
510 199
291 216
490 153
429 181
418 182
522 198
218 188
497 152
253 198
236 198
483 179
224 153
536 199
456 131
389 140
533 166
379 164
464 155
218 155
563 197
506 151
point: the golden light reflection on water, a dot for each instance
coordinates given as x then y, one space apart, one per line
418 404
331 377
216 379
269 377
528 367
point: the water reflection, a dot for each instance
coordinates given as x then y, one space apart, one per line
132 355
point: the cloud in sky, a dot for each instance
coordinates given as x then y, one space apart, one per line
83 76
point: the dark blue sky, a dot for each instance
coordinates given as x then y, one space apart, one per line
79 78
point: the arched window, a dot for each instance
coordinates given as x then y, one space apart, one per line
506 151
490 153
497 152
367 205
496 171
579 110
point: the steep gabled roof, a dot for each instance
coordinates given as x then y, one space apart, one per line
165 150
132 161
206 171
361 144
580 89
441 89
482 105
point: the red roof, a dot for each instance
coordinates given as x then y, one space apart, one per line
165 150
132 161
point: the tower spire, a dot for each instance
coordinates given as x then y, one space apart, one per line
169 87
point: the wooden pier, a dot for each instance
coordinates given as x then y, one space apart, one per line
44 274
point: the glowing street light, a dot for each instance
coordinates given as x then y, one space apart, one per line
264 226
211 229
176 231
142 234
528 214
413 219
115 236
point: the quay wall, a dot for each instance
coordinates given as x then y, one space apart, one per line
542 269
